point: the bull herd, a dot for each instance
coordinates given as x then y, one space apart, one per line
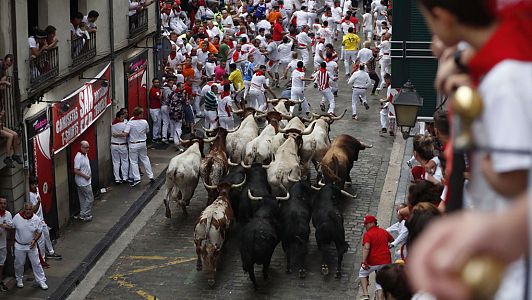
262 179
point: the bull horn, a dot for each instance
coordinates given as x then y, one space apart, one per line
307 119
182 141
316 115
290 179
321 183
209 187
210 140
315 188
238 111
243 164
309 129
266 166
366 145
251 197
233 130
348 194
230 162
285 197
273 101
340 116
295 102
208 130
237 185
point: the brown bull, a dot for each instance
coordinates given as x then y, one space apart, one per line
215 166
338 160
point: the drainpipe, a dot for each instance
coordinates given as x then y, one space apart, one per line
15 56
112 43
158 43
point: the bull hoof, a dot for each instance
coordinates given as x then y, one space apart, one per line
302 273
324 270
338 275
168 212
211 282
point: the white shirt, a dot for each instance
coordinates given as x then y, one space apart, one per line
118 128
402 232
365 55
297 79
346 26
320 49
303 40
292 65
385 47
137 130
359 79
228 22
227 101
332 66
273 54
91 25
33 42
7 220
367 20
25 230
285 51
257 83
82 163
34 199
264 24
327 34
301 17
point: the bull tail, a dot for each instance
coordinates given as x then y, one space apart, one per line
331 172
208 226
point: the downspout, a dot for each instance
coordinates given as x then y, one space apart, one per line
112 44
158 43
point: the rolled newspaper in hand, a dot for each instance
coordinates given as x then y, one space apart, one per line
483 276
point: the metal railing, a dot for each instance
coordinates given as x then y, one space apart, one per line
138 23
411 49
83 49
7 103
44 66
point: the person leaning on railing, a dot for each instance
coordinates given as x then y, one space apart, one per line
5 64
12 143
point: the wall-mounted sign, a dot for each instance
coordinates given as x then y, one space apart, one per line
37 124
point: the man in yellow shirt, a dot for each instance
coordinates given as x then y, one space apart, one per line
237 80
350 41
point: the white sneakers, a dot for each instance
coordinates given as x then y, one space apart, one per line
43 285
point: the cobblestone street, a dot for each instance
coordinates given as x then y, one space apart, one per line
161 261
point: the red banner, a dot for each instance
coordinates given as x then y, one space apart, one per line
76 112
43 168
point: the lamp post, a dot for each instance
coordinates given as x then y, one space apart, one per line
406 105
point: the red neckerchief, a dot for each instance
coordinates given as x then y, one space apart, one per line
2 213
21 213
224 94
172 56
116 121
515 25
323 70
300 70
236 55
259 73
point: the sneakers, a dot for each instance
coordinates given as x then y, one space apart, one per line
55 256
19 283
9 162
335 94
322 106
86 219
43 285
17 158
134 183
164 141
152 180
354 117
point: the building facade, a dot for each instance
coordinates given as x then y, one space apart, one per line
71 92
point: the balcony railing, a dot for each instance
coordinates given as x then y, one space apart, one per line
7 102
138 23
44 67
83 49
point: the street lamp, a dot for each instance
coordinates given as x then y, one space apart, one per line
406 105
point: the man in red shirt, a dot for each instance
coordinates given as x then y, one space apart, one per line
375 254
278 32
155 109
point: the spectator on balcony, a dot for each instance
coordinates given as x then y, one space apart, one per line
12 143
51 38
137 6
75 20
37 43
5 64
90 20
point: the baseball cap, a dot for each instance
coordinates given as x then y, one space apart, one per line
370 219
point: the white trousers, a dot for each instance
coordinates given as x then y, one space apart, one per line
210 119
328 96
256 99
155 115
359 95
177 126
297 94
20 261
247 84
44 242
303 53
350 56
227 122
138 152
165 116
120 161
385 68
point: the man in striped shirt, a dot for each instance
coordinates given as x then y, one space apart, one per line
323 79
211 100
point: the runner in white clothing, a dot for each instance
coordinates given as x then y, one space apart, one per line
303 42
259 84
137 130
119 153
360 81
298 87
6 222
